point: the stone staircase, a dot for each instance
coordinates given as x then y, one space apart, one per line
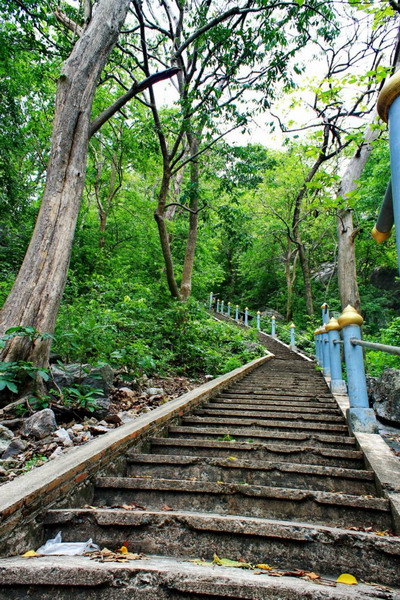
265 472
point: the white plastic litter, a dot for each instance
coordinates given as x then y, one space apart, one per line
57 547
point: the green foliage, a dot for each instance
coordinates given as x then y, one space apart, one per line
140 328
78 397
377 362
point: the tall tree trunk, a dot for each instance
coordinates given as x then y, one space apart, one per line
347 272
165 242
186 283
35 297
305 269
171 210
290 275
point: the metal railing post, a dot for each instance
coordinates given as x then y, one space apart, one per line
326 365
337 384
222 307
273 327
237 313
325 313
217 306
258 320
292 337
389 110
318 347
211 300
359 416
246 316
229 309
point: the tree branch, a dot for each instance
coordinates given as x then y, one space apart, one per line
135 89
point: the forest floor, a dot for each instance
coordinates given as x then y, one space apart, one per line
25 453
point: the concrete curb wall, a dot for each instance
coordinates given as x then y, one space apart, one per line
380 460
68 480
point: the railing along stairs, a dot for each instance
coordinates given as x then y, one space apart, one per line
338 344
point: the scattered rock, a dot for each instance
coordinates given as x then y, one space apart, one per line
6 435
40 424
16 447
154 391
57 452
386 394
63 435
126 392
102 407
325 272
99 429
76 374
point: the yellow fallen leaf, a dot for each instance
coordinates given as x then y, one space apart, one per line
382 533
123 550
232 457
347 579
265 567
29 554
227 562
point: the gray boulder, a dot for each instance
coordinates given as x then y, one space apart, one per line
16 447
386 394
40 424
76 374
6 435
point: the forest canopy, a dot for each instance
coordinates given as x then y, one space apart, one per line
172 149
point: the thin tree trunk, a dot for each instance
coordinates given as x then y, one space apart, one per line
347 271
35 297
159 216
187 273
305 269
171 210
290 275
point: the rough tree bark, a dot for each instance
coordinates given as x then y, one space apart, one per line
347 272
35 297
186 282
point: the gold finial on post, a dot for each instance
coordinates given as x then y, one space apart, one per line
350 316
333 325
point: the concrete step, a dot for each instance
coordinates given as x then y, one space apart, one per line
311 506
255 406
278 404
161 578
244 434
271 424
282 544
260 412
234 470
348 459
283 396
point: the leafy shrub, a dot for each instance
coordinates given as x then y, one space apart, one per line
376 362
133 326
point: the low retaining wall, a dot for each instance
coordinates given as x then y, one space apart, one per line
68 480
379 458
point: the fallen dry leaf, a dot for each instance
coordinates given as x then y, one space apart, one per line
106 555
30 554
265 567
347 579
166 507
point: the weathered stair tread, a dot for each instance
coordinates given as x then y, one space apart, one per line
280 437
280 474
278 402
276 405
260 412
243 499
284 544
306 410
263 422
303 454
164 578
